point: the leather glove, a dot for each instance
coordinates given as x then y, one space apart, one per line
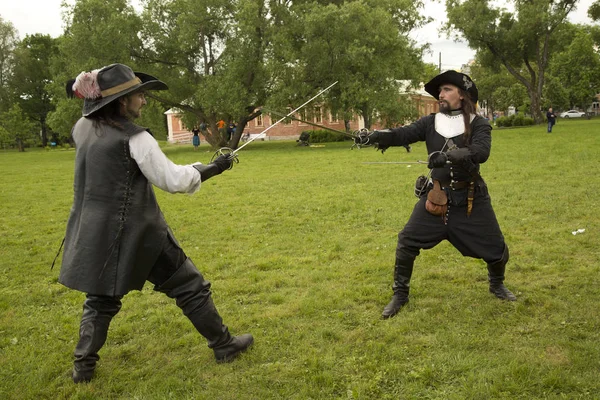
381 140
220 164
224 162
437 159
460 155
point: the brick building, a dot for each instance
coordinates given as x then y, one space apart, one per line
291 129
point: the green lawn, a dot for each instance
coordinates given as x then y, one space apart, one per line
299 245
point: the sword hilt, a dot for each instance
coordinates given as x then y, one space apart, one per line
226 151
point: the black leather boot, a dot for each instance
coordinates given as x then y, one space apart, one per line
496 278
192 294
98 311
402 274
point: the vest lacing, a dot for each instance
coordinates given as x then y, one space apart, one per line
123 209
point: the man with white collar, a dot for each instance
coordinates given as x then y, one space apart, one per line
453 204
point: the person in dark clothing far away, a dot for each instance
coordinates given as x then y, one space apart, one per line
551 119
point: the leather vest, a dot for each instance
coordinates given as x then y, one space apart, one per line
115 230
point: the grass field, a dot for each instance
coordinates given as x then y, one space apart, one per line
299 243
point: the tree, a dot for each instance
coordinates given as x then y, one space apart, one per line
495 84
576 70
521 40
214 56
362 44
15 127
31 76
594 11
8 42
98 33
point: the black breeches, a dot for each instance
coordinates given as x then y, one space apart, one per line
477 235
168 262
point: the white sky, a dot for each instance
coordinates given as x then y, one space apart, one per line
44 16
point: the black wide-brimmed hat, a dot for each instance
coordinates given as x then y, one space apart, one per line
457 79
102 86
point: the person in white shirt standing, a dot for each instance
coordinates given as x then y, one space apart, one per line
117 237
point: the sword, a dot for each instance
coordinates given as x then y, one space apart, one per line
396 162
233 153
311 123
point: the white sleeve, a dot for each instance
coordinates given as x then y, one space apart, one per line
158 169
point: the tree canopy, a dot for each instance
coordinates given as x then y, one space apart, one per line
520 40
226 60
32 77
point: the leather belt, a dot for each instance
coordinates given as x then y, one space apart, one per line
454 185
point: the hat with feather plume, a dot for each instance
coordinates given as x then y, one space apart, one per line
102 86
457 79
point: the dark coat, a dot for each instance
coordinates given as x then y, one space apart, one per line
480 144
115 230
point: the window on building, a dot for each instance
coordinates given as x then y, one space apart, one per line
288 121
333 117
318 117
302 115
259 120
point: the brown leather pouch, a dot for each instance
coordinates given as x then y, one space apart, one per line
437 200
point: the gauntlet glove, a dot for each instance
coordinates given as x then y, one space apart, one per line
221 163
437 159
459 156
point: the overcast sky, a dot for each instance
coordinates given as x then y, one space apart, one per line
44 16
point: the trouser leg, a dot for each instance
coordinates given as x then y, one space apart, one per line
422 231
401 286
98 311
496 272
192 294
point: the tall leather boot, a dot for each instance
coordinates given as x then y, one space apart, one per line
98 311
496 277
402 274
192 294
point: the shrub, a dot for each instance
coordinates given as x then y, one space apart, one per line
503 121
518 120
323 136
527 121
514 120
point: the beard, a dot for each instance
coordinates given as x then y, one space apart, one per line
133 114
444 106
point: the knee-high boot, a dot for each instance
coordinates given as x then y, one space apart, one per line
496 278
98 311
402 274
192 294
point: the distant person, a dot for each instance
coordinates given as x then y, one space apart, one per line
221 127
551 119
196 138
117 237
230 131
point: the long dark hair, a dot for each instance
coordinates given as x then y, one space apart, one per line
468 108
108 115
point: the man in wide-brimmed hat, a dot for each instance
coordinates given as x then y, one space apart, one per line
453 199
117 237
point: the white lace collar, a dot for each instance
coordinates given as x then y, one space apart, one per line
450 126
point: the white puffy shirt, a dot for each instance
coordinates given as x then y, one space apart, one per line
158 169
